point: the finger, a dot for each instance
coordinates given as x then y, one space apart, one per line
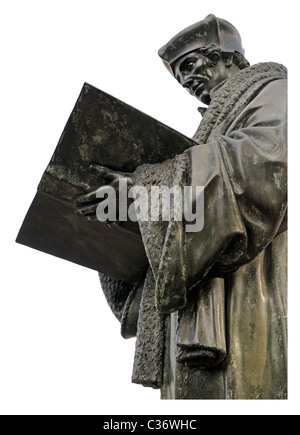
112 224
103 171
91 196
109 173
86 210
91 217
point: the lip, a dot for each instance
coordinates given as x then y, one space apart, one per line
198 88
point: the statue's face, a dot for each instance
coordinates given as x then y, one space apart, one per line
197 73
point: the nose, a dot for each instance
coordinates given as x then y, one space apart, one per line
187 82
190 80
190 75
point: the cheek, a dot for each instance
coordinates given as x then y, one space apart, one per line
209 73
216 78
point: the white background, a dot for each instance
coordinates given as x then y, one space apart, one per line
61 349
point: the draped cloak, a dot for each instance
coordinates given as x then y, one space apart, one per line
210 316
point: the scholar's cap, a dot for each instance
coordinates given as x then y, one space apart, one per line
210 31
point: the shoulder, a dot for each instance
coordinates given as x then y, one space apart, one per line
273 94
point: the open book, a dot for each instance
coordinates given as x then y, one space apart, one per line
106 131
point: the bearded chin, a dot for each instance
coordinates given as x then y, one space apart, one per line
205 98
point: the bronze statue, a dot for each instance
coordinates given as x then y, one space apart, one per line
210 312
219 327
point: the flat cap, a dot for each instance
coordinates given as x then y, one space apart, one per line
210 31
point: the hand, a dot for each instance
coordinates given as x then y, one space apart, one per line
87 204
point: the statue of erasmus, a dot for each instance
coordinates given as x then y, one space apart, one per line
210 314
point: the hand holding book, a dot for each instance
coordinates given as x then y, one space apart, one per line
87 204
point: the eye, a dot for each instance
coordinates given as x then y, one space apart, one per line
188 65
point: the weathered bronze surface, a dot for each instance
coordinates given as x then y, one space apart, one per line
219 327
210 308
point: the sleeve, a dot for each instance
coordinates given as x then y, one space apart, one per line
116 293
245 187
124 301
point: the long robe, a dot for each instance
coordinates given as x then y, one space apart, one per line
224 286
